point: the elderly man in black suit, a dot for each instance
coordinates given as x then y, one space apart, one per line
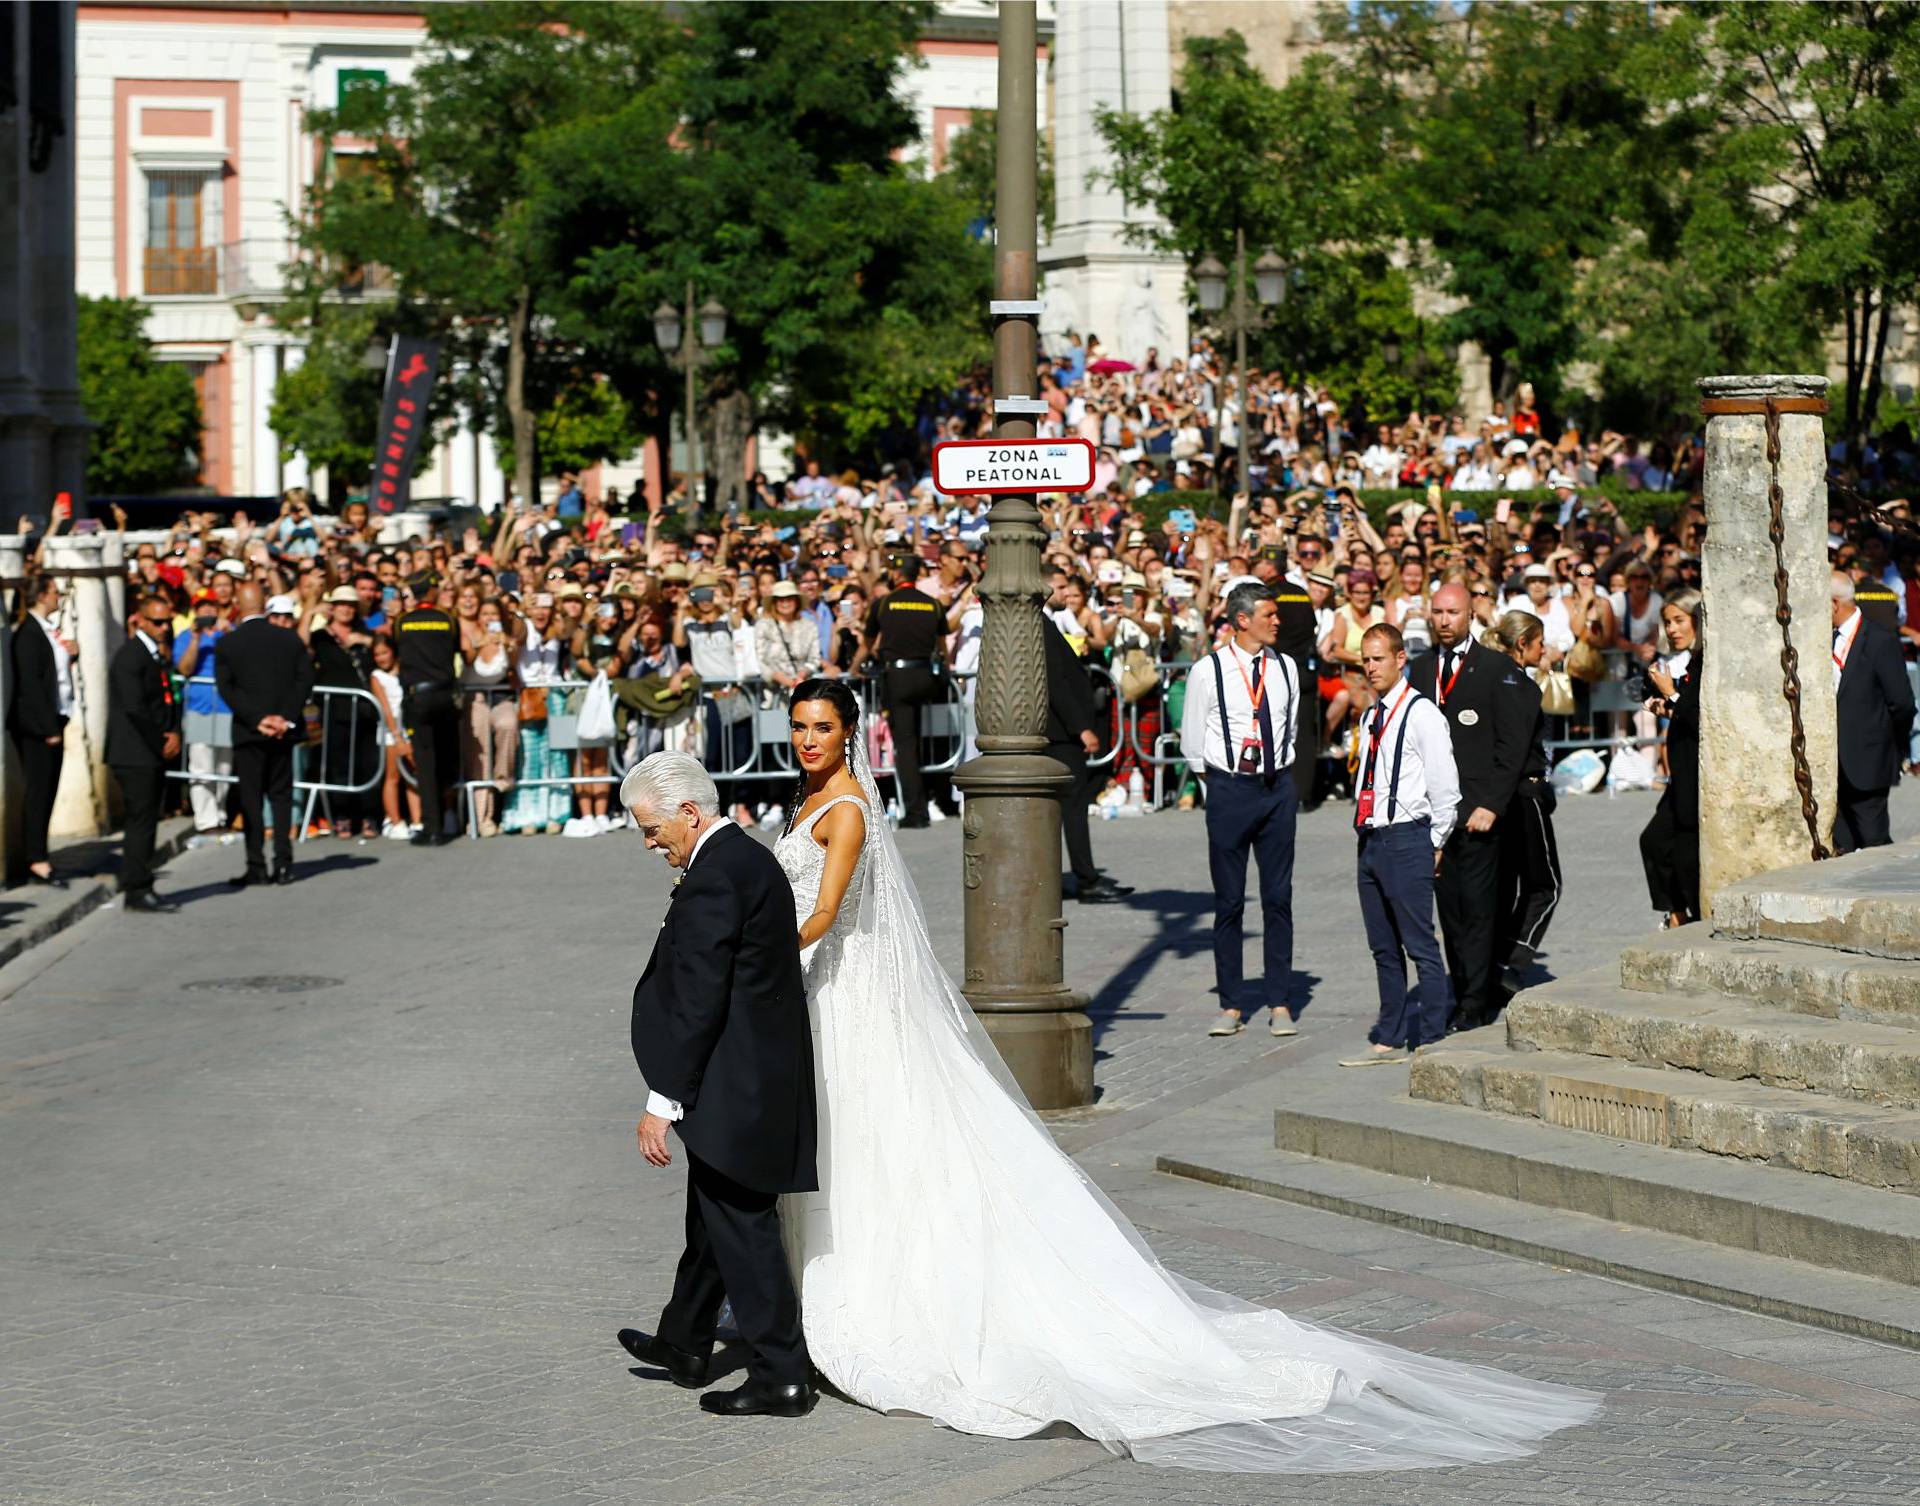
1489 705
1874 704
265 675
37 717
143 737
721 1035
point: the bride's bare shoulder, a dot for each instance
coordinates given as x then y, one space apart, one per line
845 821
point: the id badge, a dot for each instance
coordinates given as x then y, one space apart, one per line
1250 757
1363 808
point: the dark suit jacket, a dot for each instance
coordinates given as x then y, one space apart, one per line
1875 706
140 708
35 711
1490 713
720 1018
1071 709
1682 795
261 671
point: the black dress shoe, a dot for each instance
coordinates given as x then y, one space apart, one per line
149 903
760 1399
684 1367
282 875
1103 892
913 824
48 880
251 876
422 839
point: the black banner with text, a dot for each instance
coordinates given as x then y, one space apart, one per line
412 366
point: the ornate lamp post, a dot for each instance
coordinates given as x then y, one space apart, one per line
1270 287
1014 962
675 337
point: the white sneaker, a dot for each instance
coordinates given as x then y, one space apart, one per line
606 824
935 814
579 826
396 831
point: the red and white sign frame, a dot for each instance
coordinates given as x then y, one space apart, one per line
1070 464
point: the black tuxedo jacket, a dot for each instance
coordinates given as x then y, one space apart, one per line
1490 713
1875 706
720 1018
140 708
1071 708
261 671
35 711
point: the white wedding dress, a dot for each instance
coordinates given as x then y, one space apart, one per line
955 1263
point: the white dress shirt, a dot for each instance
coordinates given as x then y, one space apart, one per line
1429 784
1201 742
658 1104
62 665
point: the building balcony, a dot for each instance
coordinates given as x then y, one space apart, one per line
255 271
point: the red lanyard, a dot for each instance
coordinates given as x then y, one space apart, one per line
1459 663
1844 647
1379 736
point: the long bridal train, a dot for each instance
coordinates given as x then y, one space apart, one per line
958 1265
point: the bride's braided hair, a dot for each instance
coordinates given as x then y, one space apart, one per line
843 701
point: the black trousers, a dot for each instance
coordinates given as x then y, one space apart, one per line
1529 875
734 1251
1860 819
140 794
1306 737
1670 854
40 763
905 693
1467 895
433 727
1073 809
264 771
1246 814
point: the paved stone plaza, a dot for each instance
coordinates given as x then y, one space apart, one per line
330 1194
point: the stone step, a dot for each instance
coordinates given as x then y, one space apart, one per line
1719 1037
1866 1143
1788 975
1366 1119
1868 902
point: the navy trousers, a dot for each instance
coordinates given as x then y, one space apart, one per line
1396 902
1246 814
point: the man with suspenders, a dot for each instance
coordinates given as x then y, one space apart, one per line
1238 733
1407 795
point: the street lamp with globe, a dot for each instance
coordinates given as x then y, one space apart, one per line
1210 279
674 332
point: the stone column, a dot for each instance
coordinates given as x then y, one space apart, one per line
13 553
1752 811
83 805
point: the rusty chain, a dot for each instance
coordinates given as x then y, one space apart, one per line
1789 655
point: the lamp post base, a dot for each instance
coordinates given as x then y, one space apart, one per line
1014 964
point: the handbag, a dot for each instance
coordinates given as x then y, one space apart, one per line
1556 692
596 714
1139 675
1585 662
533 705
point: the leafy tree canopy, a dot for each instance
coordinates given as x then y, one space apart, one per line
146 413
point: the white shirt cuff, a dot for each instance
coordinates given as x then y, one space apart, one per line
663 1107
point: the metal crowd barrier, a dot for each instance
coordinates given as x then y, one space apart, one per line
340 711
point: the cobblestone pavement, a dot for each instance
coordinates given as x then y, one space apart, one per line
329 1195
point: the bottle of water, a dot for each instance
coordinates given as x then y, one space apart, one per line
1136 790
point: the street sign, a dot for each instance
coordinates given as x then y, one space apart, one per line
965 466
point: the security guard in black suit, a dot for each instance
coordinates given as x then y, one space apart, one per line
143 737
1490 721
428 641
1874 704
904 634
1299 640
264 675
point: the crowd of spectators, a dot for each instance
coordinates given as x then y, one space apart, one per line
696 626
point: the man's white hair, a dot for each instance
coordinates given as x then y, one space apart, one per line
1842 586
665 781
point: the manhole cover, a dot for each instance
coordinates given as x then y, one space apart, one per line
264 984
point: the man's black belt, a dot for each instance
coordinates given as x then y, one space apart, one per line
420 685
936 665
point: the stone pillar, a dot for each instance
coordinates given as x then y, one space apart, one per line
1752 813
83 805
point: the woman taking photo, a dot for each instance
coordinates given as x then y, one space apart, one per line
1670 845
1529 856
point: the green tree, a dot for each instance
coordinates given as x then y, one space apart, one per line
765 172
1817 107
972 165
448 202
146 413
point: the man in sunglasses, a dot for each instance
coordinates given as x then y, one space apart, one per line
143 737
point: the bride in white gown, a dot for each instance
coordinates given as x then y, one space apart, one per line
957 1264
